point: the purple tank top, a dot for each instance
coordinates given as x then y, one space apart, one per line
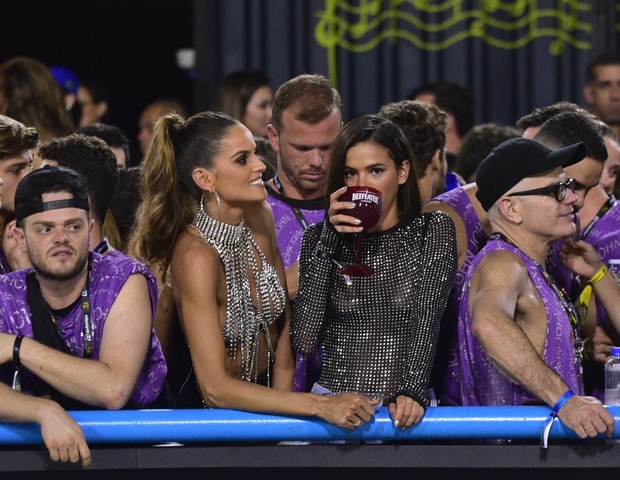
481 382
446 369
4 263
605 238
288 228
109 274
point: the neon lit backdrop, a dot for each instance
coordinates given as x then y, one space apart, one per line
436 25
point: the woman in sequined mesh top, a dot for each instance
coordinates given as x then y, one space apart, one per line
378 333
204 219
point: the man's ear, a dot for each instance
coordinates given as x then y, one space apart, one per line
12 231
205 179
512 209
102 108
587 94
274 137
436 161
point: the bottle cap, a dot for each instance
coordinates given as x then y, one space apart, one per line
615 351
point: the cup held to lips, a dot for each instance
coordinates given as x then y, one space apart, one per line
367 204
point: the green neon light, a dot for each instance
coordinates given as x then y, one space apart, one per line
361 26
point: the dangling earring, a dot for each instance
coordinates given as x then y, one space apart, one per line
218 204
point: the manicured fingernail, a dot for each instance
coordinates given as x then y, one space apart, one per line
396 423
358 221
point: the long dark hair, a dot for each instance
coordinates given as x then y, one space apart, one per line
169 194
384 133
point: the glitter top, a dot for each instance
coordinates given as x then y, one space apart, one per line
248 311
378 335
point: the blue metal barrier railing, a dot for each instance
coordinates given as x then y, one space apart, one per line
217 425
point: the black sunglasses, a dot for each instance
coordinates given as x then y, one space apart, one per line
558 190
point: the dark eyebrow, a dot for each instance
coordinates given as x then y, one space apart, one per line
22 164
300 146
66 222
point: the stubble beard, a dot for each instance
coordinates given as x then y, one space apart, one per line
43 272
305 188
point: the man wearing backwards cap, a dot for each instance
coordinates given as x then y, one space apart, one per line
76 329
515 328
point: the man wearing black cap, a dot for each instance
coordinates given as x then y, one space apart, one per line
92 158
77 327
518 334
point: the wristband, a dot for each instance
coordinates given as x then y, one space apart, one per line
598 276
583 302
17 385
16 346
544 435
562 401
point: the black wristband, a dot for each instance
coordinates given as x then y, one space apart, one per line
16 346
409 394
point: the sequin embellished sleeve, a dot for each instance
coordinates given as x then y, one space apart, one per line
318 246
438 266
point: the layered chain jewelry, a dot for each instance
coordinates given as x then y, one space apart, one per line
247 315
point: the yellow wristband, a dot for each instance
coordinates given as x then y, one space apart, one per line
598 276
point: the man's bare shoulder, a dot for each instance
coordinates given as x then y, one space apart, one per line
500 269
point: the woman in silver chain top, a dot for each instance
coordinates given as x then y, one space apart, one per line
378 333
205 221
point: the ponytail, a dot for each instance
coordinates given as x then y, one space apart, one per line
169 195
165 209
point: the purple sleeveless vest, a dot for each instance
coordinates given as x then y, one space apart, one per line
4 263
109 274
605 238
481 382
446 369
288 229
289 233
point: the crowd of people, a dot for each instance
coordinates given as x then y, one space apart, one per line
237 265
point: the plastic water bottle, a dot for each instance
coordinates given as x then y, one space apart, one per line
612 378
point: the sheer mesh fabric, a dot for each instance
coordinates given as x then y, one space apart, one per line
378 335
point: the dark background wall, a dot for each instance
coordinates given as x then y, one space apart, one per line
130 46
513 55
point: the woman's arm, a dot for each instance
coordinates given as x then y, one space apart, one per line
195 282
316 270
284 365
438 269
